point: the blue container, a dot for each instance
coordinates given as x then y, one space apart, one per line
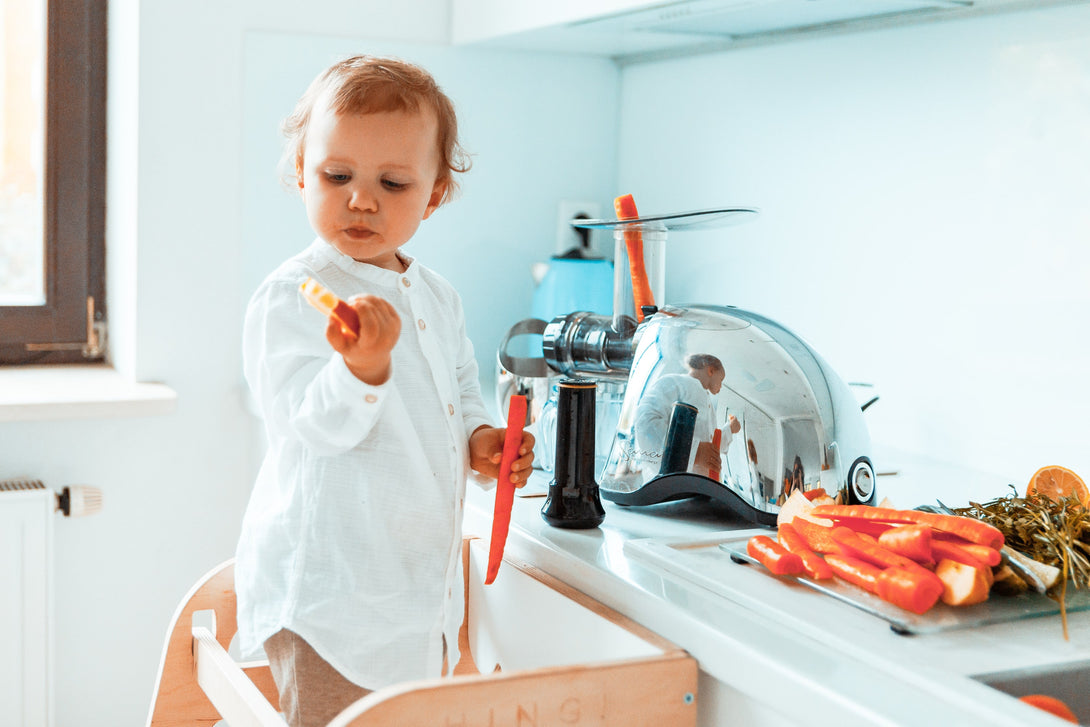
574 284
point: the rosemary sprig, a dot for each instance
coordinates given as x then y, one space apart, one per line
1055 532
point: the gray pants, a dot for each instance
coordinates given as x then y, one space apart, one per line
311 691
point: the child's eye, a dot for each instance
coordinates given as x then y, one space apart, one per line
337 177
392 185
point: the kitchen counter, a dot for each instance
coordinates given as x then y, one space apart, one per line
773 652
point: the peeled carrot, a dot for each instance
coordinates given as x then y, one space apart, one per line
985 554
505 489
855 571
952 551
851 543
774 556
818 537
812 563
625 208
972 530
328 303
911 541
988 556
911 590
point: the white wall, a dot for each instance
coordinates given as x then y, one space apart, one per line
540 128
195 213
924 217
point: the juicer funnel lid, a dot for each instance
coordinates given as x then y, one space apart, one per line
694 220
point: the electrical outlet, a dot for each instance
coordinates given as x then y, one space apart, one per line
567 236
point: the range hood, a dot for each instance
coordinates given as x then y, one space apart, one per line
635 30
737 19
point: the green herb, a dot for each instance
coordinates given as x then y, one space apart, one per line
1054 532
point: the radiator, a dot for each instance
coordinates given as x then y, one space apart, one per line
27 513
26 603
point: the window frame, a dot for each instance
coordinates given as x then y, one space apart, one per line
70 326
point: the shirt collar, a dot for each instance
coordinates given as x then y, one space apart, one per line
326 252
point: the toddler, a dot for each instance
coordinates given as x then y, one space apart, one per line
348 568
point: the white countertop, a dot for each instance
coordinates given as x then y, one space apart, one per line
787 654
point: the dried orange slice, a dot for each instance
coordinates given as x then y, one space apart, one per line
1056 482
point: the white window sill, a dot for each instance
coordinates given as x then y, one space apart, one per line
78 392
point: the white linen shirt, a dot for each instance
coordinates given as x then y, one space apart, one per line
352 536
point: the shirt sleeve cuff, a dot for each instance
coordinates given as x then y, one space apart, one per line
369 393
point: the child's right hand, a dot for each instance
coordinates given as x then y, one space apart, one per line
368 356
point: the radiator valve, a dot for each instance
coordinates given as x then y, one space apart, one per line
79 500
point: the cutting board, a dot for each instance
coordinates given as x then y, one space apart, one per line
707 561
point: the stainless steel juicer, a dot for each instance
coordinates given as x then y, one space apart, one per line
717 401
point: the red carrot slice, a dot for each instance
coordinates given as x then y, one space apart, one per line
625 207
854 545
911 590
774 556
855 571
972 530
505 489
818 537
951 551
911 541
988 556
812 563
862 525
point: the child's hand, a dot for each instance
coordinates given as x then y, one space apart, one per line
486 449
368 356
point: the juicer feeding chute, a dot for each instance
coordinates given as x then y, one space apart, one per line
702 400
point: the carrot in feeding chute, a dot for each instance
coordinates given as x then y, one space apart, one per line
625 207
505 489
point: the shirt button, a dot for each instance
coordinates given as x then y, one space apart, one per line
450 409
370 398
420 324
406 282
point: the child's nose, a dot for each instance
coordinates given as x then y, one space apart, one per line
362 200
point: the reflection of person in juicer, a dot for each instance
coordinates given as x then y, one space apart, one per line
698 388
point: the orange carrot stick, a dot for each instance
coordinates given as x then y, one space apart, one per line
505 490
625 208
329 304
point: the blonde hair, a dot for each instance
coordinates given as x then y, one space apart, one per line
367 84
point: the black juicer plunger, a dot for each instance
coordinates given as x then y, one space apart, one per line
573 500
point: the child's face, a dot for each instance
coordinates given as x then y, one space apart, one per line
368 180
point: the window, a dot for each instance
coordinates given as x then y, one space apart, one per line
52 180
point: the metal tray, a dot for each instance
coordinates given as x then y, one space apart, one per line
708 562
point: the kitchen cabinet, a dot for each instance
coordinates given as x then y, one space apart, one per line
634 30
774 653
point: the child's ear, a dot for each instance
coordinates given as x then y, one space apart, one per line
437 194
299 173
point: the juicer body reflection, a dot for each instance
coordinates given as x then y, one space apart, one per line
785 420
